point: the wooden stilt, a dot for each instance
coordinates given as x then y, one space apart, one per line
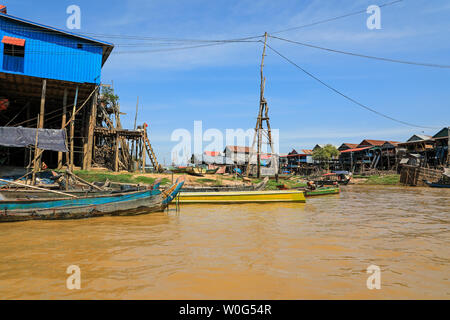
72 131
116 154
63 123
41 115
36 151
90 140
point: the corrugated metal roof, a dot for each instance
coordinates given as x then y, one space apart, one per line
107 46
13 41
372 142
350 145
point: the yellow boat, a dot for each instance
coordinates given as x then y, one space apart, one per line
242 196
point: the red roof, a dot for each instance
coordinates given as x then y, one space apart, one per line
351 145
212 153
356 149
2 9
393 142
372 142
13 41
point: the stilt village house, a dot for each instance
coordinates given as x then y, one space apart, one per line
50 79
45 71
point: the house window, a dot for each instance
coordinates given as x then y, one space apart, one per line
80 46
14 51
13 54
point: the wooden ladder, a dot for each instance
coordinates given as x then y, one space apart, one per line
150 152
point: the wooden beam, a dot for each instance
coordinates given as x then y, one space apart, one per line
36 165
41 119
72 131
92 123
116 154
63 123
42 110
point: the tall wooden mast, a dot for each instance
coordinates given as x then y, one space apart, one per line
263 115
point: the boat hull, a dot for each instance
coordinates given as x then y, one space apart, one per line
242 197
322 192
132 203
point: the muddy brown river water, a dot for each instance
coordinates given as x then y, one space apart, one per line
316 250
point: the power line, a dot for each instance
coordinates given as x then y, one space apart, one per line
135 51
335 18
345 96
180 48
366 56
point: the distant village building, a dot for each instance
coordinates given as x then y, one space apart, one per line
347 146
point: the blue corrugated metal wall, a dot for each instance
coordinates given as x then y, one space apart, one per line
50 55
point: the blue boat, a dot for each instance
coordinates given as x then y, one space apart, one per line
436 185
111 204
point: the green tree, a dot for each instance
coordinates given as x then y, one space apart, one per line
325 154
108 97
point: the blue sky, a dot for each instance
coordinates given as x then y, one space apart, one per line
220 85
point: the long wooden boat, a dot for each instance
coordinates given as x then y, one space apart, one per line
256 187
113 204
27 194
436 185
243 197
322 191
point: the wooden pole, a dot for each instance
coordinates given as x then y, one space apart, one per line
144 156
72 130
36 151
63 123
135 120
448 148
37 188
116 154
261 103
42 111
92 123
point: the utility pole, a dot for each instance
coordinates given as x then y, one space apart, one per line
135 120
448 147
263 115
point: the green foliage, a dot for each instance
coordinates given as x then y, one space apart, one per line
391 179
103 176
109 97
145 180
326 153
92 176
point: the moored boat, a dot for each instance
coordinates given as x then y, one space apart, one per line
243 197
436 185
322 191
112 204
256 187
